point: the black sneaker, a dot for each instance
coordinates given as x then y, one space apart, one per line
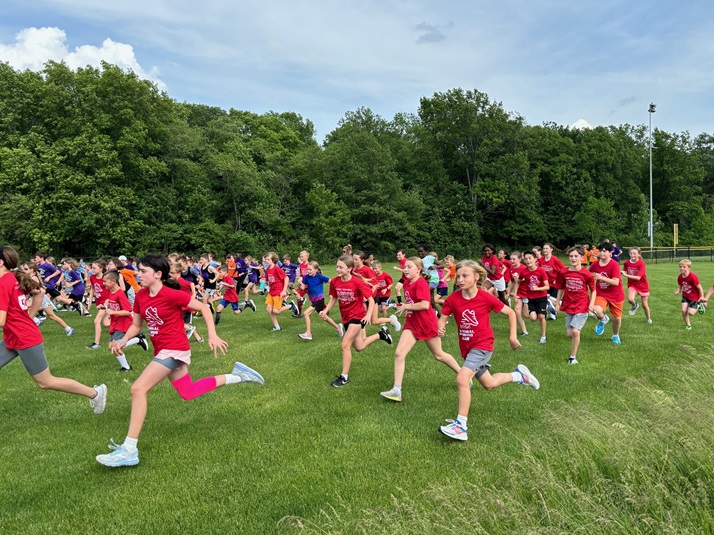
340 381
384 335
296 315
123 369
93 346
250 304
142 342
217 319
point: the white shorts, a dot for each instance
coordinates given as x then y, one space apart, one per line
499 284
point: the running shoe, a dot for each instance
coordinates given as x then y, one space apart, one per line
294 307
142 341
246 374
275 329
297 316
600 327
551 308
687 327
701 307
69 331
99 401
543 340
648 322
305 336
123 369
93 346
395 323
455 430
394 394
572 360
633 309
340 330
250 304
528 378
384 335
524 334
191 330
616 339
120 456
340 381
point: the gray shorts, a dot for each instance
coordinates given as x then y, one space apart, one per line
477 361
116 335
575 321
170 362
32 357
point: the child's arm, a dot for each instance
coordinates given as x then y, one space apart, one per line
709 294
421 305
512 326
701 291
326 310
367 320
57 273
214 342
678 290
441 326
135 329
558 299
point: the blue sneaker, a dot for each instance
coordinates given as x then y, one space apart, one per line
119 457
246 374
600 327
550 308
616 339
455 430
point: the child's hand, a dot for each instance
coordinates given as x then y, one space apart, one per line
217 344
515 344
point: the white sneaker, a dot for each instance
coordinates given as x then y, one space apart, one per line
191 330
100 400
543 340
340 330
395 323
305 336
393 394
246 374
119 457
528 378
572 360
455 430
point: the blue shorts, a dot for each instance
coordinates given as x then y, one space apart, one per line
224 304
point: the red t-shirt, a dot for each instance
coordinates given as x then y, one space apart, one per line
19 332
403 265
185 287
384 281
303 269
575 285
494 263
229 289
534 277
118 301
615 294
522 272
351 296
507 273
100 293
689 286
163 317
637 269
422 323
275 277
473 319
551 267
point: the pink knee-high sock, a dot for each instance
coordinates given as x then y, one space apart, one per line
188 390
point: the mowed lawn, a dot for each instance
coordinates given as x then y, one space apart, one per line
620 443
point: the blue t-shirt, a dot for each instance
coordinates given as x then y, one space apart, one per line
314 284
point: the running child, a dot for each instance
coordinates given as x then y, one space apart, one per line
610 293
552 265
450 268
159 303
253 277
230 295
503 258
313 282
692 292
300 291
536 291
291 270
384 288
351 293
495 284
635 271
21 337
31 269
97 295
175 274
420 324
75 284
402 259
573 285
363 271
471 307
519 272
118 309
277 280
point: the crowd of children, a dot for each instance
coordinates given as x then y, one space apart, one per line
165 294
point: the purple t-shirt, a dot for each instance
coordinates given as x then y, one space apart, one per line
77 289
45 270
290 270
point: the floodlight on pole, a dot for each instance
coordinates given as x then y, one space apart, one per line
651 110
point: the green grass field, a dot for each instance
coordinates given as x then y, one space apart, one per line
620 443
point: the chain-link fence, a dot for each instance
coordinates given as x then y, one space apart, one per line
673 254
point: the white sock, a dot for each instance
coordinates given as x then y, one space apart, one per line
232 379
122 361
463 420
344 375
517 377
67 329
132 342
572 357
130 443
398 388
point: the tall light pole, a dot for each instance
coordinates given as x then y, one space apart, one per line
652 109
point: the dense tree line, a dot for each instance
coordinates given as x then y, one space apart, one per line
96 161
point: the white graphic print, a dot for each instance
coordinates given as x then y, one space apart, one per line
468 324
153 321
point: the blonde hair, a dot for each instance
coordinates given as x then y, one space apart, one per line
686 262
636 249
348 261
477 268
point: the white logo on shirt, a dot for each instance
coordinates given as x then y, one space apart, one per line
153 321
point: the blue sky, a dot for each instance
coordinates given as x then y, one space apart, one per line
600 61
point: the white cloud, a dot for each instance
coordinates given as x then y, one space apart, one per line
581 124
33 47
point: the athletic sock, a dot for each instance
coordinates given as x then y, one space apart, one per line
463 420
232 379
132 342
516 377
122 361
130 443
398 389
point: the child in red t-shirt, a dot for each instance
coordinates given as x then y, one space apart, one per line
420 324
635 271
230 295
21 337
402 259
118 309
351 293
518 291
471 307
692 292
573 286
278 282
188 287
610 294
536 291
160 303
367 274
97 295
